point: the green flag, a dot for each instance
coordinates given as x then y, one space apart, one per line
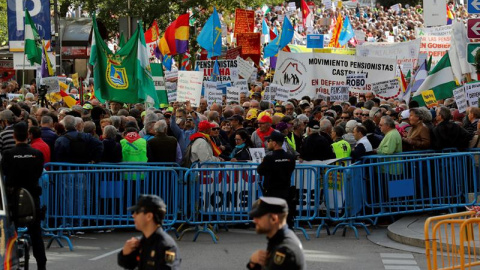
440 79
429 63
121 41
33 44
124 76
159 82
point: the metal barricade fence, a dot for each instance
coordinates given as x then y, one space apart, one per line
445 240
370 191
98 199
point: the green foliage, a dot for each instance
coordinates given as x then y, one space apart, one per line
3 23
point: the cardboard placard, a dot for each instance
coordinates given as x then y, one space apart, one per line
281 93
171 91
189 87
257 154
244 21
212 93
429 98
52 84
461 99
242 84
387 89
233 94
339 93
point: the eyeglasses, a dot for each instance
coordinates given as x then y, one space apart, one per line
216 128
365 115
246 108
189 119
358 114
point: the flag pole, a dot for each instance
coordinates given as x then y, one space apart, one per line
23 67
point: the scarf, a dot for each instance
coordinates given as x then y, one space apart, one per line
263 135
216 151
132 136
236 150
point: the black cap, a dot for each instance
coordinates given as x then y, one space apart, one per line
314 124
268 205
237 117
256 94
276 137
149 204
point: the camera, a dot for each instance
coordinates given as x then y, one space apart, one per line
42 90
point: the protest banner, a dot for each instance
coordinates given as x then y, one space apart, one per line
244 21
472 90
171 91
461 99
356 80
227 68
429 98
387 89
171 75
15 96
269 94
242 84
339 93
189 87
212 93
306 74
233 94
233 53
52 84
406 53
435 41
251 46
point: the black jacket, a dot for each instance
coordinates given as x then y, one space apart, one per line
285 251
449 134
159 251
112 151
162 148
316 147
277 170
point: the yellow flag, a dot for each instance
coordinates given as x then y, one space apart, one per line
75 80
429 98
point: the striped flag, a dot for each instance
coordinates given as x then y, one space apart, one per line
33 44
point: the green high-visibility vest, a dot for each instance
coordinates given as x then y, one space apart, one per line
291 141
341 149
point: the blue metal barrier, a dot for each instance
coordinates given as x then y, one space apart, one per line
370 191
98 199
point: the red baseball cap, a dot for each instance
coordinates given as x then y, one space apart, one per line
204 125
265 119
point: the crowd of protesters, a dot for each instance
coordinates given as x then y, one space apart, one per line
313 129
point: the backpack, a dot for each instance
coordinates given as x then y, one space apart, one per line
187 160
79 151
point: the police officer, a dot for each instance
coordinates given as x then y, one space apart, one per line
284 249
277 170
156 249
22 166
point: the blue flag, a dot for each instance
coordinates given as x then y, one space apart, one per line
215 72
167 62
210 38
265 30
346 33
280 41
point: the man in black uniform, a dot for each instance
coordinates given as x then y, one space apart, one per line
156 249
277 170
284 249
22 166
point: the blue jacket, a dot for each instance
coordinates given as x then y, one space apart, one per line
63 152
49 136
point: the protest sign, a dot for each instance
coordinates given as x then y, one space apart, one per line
461 99
233 53
306 74
15 96
244 21
212 93
52 84
387 89
472 90
242 84
435 41
339 93
245 69
227 68
406 53
429 98
257 154
171 91
189 87
171 75
281 93
233 94
435 14
251 45
269 94
356 80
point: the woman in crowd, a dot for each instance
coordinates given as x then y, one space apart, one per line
241 151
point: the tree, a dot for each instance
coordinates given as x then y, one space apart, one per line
3 23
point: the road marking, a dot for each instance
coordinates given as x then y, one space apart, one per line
397 261
106 254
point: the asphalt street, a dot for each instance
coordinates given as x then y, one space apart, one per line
98 250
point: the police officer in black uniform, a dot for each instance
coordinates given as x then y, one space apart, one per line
284 249
156 249
277 170
22 166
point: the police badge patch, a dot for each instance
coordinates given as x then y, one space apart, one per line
169 256
279 258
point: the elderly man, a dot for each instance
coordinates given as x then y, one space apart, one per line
264 130
163 148
392 142
203 148
418 137
448 134
316 146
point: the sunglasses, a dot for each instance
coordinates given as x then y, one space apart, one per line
216 128
189 119
365 115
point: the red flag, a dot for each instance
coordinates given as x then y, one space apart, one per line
306 15
152 33
272 35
